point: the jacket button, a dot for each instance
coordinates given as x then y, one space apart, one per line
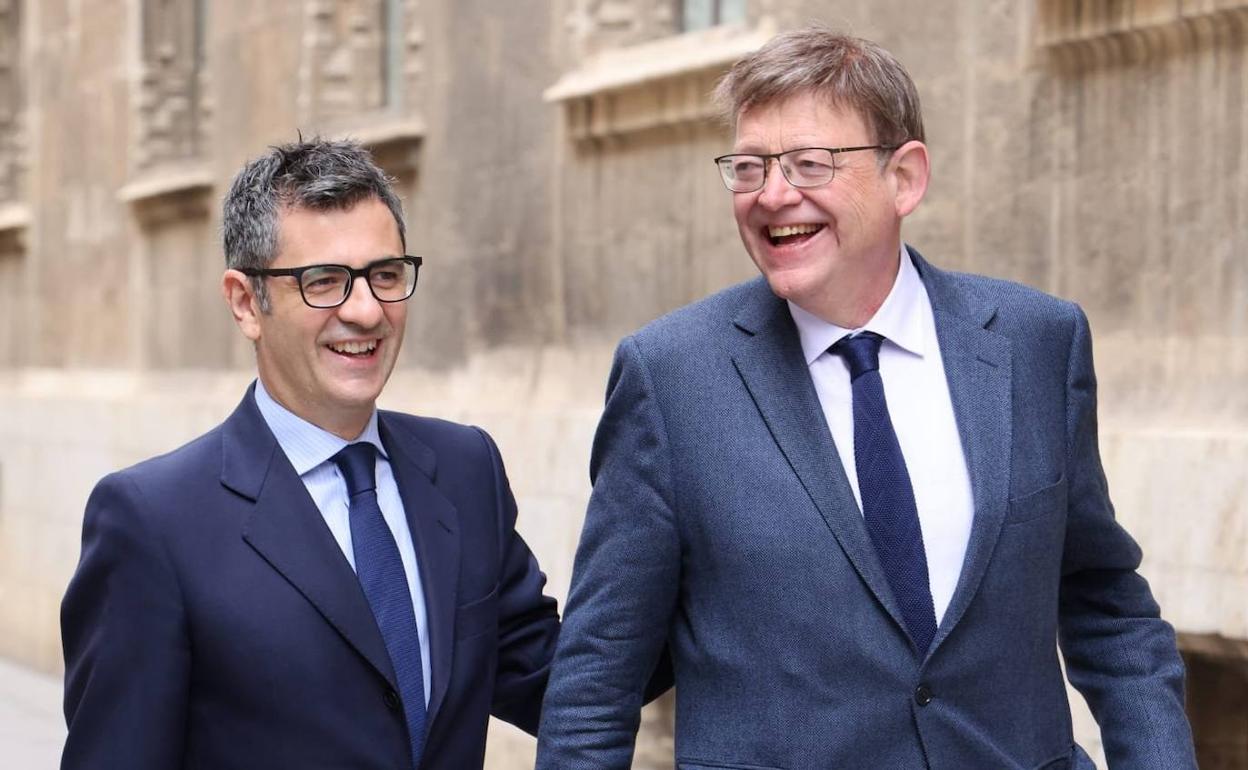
392 700
922 695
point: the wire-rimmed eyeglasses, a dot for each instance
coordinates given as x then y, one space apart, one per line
803 167
324 286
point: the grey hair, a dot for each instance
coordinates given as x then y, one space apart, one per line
847 71
317 174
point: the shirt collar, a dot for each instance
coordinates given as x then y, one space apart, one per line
305 444
898 319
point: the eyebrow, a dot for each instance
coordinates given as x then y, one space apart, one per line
341 261
801 144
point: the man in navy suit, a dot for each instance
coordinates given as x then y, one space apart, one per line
314 583
858 501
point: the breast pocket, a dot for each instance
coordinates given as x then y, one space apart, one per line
477 617
1078 759
1048 500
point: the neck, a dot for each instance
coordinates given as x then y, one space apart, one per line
852 298
345 422
348 429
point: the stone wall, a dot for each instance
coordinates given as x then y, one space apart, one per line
555 164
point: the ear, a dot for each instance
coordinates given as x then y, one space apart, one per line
910 169
239 295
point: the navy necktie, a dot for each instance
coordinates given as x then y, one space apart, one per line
380 570
888 506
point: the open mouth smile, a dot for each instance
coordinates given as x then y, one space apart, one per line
783 235
354 348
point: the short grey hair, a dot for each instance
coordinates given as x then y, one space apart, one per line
318 174
847 71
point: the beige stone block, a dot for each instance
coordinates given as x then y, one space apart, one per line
551 527
1182 493
508 747
19 608
1087 734
1110 171
32 728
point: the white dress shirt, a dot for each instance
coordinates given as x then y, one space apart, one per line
309 450
921 411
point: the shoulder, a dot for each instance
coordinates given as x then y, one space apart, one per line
158 495
1010 308
462 461
1019 298
196 459
443 437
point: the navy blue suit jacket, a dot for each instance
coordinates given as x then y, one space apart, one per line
213 621
722 528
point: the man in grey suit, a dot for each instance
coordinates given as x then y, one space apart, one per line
857 502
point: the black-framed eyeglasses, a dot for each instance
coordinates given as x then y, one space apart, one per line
803 167
324 286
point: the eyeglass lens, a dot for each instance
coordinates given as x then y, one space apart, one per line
326 286
803 168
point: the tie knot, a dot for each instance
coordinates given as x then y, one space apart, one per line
860 351
358 465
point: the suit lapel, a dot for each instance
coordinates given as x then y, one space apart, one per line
978 369
435 530
287 530
770 361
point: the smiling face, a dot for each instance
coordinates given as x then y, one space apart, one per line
833 250
326 365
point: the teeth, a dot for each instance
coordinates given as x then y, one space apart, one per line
353 347
783 230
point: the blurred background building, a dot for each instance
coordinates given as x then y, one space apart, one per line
555 162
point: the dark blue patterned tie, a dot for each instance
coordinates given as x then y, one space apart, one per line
380 570
888 506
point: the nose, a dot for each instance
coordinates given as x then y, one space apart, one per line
777 192
361 308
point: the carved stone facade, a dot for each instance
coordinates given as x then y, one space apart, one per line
661 83
361 74
555 163
701 14
173 92
593 26
12 103
601 25
361 57
14 212
1065 22
170 190
14 293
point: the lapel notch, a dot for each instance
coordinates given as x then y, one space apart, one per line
769 360
287 531
978 368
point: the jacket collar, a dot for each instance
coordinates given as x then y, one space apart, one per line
769 358
286 529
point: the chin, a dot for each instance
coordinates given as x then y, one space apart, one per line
788 284
781 289
357 395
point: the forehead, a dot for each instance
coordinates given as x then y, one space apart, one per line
803 120
360 233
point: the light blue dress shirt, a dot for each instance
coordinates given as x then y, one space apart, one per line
309 450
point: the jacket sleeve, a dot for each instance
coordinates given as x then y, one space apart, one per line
528 620
624 583
1119 653
123 628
